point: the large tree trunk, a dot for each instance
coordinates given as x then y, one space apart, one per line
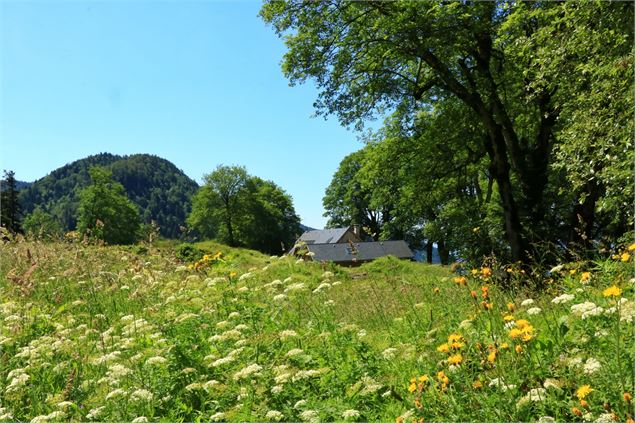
429 251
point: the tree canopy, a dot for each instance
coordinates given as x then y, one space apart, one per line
495 95
105 212
243 210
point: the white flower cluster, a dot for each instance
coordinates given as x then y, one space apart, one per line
586 309
500 383
591 366
274 416
527 302
564 298
251 370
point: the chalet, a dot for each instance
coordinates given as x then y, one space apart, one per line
344 246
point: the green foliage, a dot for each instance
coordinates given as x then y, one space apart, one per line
105 213
160 190
10 207
188 252
242 210
525 99
41 225
257 338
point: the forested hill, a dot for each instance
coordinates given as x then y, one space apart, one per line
162 191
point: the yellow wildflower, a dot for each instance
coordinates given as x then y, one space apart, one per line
504 346
572 272
522 323
455 337
515 333
631 247
460 280
457 345
412 387
627 396
474 272
477 384
585 276
576 411
455 359
519 348
491 356
511 307
443 348
625 257
423 379
612 291
486 272
583 391
508 317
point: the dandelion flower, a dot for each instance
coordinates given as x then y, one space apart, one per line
625 257
583 391
455 359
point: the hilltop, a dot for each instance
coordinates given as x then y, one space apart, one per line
160 190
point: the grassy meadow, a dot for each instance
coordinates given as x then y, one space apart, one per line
93 333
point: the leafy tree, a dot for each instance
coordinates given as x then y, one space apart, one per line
243 210
348 199
368 57
11 210
105 212
41 225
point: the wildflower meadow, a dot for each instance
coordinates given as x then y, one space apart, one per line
94 333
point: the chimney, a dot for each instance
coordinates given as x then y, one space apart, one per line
357 230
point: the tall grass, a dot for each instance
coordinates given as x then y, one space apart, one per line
115 334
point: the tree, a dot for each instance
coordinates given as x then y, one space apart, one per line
10 209
217 204
105 212
368 57
41 225
242 210
348 200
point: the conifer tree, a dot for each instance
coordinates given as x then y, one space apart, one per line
10 209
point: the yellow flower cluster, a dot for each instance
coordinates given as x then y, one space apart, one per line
522 330
207 260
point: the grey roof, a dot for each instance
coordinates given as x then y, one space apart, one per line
324 236
365 251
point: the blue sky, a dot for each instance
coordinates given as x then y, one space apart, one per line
197 83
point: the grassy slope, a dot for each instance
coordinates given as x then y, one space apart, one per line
80 325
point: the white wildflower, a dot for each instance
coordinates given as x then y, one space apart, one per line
527 302
65 404
156 360
274 416
194 386
95 412
116 393
251 370
210 384
546 419
277 389
329 303
564 298
245 276
627 312
591 366
299 404
279 297
310 416
141 395
534 310
294 352
217 417
140 419
295 287
350 414
605 418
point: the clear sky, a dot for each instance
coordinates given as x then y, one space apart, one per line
197 83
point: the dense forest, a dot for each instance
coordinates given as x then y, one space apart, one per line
160 190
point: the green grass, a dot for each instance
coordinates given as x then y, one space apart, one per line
116 334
